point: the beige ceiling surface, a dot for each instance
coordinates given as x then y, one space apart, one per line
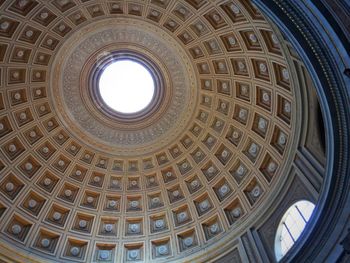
78 185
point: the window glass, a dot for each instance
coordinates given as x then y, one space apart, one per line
291 226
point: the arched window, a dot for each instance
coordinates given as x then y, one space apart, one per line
291 226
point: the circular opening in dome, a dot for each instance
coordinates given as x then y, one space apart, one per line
126 86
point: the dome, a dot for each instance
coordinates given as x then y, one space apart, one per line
230 128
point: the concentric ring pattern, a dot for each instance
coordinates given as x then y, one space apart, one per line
80 185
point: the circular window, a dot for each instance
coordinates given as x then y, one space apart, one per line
126 86
291 226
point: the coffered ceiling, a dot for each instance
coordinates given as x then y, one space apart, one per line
82 183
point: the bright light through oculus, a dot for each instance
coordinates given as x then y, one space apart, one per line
126 86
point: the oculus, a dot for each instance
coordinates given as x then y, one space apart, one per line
126 86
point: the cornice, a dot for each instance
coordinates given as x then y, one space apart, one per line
320 56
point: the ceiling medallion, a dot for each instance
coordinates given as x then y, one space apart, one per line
76 75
